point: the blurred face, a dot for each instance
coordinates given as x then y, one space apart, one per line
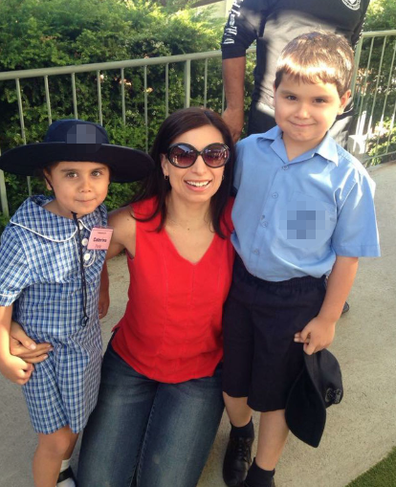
305 112
199 182
79 187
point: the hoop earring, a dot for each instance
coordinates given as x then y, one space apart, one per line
166 177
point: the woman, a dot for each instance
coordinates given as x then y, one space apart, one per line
160 401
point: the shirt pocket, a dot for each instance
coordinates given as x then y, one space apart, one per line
307 222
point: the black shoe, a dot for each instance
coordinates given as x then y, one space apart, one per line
271 484
237 460
345 308
66 474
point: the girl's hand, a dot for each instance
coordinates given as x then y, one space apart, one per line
25 348
104 303
316 335
16 370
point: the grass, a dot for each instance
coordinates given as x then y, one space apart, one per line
381 475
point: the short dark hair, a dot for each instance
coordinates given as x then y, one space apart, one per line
315 57
155 185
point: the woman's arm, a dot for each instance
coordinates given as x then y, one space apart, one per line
124 232
13 368
25 348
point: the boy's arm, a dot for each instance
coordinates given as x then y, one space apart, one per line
14 368
319 332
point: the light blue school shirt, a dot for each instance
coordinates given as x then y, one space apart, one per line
292 218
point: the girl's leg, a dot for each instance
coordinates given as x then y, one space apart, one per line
49 454
112 439
180 432
66 477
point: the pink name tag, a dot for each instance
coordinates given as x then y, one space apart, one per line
100 238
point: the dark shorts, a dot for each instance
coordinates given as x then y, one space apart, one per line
261 359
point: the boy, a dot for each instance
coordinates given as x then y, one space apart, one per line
311 216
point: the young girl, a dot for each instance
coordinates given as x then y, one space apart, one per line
51 257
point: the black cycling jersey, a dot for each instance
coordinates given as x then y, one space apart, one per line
273 23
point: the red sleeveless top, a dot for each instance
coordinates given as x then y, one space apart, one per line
172 327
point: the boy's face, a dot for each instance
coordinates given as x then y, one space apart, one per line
79 187
305 112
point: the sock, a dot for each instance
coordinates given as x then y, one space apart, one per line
67 482
246 431
258 477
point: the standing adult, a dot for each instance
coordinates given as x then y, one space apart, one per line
273 23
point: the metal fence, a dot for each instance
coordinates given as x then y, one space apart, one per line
372 141
374 89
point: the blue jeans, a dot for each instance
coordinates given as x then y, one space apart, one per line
147 432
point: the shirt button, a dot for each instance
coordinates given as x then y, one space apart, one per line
87 256
84 241
285 168
80 226
256 251
274 195
262 217
265 224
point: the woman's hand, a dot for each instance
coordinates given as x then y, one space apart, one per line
25 348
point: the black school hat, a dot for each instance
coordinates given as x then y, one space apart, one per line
78 140
318 386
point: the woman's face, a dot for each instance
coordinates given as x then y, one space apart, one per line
199 182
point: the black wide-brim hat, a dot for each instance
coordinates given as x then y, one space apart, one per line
78 140
318 386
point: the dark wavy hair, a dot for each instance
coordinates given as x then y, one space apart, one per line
155 185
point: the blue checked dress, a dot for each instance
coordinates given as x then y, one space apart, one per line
40 274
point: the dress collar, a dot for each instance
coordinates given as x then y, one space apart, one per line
33 217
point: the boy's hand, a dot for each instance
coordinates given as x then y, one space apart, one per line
25 348
16 370
316 335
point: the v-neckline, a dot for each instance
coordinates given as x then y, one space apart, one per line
184 258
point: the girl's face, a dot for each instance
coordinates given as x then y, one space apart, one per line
79 187
199 182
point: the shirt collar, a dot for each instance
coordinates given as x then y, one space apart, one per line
327 149
32 216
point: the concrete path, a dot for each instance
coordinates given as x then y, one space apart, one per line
360 431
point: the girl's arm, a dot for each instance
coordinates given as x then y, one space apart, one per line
104 297
14 368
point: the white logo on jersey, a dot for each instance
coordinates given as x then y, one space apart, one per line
352 4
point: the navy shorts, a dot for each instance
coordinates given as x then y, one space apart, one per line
261 359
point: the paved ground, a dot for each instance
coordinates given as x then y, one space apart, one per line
360 431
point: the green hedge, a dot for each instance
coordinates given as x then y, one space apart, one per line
47 33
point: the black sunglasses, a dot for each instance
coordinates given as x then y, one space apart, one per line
184 155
